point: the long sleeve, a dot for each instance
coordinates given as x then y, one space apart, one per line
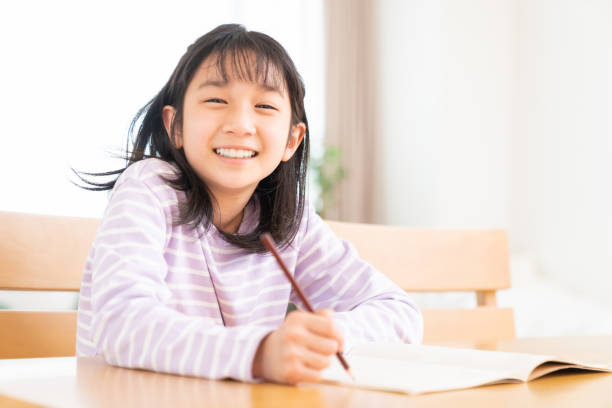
368 306
132 324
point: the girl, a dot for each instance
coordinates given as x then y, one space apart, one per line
177 279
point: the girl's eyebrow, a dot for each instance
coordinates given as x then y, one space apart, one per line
212 82
271 88
220 83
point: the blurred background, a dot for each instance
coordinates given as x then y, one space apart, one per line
432 113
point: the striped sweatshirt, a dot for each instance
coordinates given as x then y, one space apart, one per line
168 298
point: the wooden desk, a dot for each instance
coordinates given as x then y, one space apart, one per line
89 382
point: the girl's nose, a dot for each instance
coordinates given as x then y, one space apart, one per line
239 121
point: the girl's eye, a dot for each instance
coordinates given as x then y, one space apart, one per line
264 106
215 100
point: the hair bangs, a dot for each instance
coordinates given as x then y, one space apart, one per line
246 60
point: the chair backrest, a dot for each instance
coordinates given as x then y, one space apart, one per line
428 260
41 252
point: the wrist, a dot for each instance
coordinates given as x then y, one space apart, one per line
257 366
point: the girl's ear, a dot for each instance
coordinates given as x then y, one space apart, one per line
295 138
168 114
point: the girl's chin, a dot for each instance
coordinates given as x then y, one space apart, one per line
247 187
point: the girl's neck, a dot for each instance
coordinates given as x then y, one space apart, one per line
231 226
230 214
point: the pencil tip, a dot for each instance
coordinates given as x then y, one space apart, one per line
350 373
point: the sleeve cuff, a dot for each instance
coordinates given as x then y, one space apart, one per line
251 345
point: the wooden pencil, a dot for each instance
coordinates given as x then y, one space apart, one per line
266 238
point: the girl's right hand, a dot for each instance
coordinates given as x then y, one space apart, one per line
299 349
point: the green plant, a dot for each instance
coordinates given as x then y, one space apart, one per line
328 172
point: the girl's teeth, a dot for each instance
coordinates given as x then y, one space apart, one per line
235 153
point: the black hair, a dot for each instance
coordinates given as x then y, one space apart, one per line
282 194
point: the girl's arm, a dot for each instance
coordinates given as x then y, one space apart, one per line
131 325
368 306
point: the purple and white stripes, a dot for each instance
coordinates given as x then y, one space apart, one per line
147 298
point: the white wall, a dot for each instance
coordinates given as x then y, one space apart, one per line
447 89
497 114
478 84
408 115
561 209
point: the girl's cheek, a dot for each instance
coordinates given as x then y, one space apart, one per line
277 129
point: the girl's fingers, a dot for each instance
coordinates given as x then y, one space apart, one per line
315 360
320 344
303 373
322 324
316 331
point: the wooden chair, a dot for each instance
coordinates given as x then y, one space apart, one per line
426 260
39 252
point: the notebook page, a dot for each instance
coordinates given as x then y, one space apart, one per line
506 364
418 369
404 376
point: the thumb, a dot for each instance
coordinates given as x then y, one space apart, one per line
325 312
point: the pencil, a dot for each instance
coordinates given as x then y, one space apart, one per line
266 238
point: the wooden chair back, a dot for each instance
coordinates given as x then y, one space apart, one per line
41 252
427 260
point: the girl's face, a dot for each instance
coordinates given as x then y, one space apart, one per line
234 133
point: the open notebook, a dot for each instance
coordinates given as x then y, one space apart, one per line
416 369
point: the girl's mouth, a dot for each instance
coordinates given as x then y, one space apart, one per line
235 153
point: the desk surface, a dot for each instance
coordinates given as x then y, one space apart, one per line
89 382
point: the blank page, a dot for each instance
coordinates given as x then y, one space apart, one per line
417 369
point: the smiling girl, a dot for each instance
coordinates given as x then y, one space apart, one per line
177 279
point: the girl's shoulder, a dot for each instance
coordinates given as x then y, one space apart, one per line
149 177
311 222
151 172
